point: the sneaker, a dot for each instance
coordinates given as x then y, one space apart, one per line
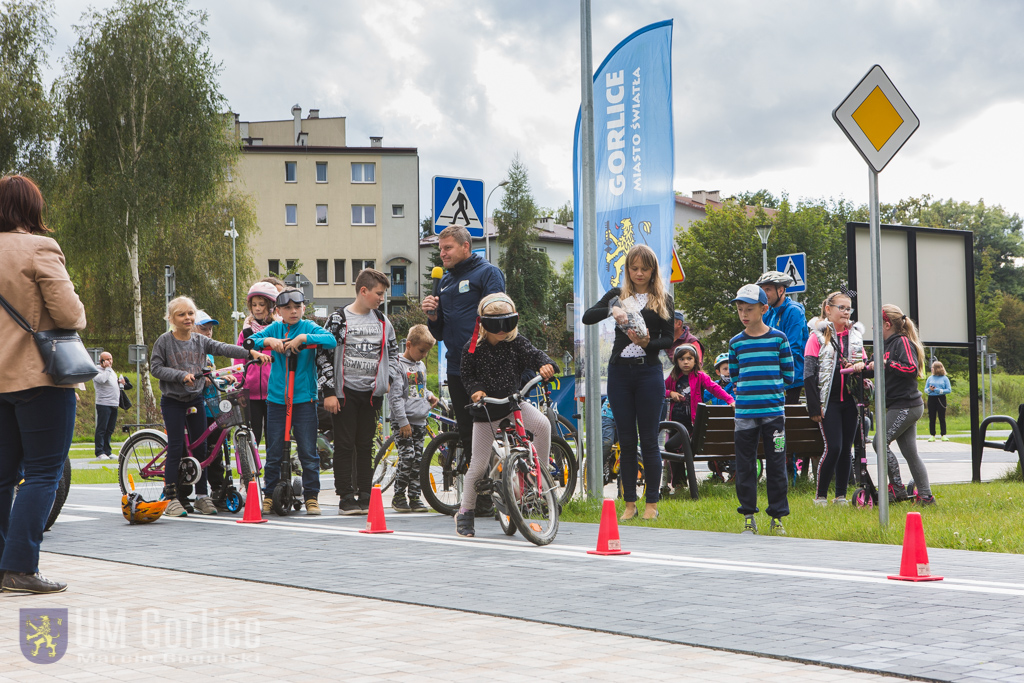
840 501
898 494
187 504
400 504
416 505
364 505
313 507
931 439
464 524
349 507
777 528
945 438
103 456
17 582
268 505
821 502
924 501
749 525
205 506
175 509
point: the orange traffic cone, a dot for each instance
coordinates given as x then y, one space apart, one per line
253 506
914 565
608 534
375 523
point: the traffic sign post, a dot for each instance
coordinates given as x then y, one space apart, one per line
795 266
458 201
878 121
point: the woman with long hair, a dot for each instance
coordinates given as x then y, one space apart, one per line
643 312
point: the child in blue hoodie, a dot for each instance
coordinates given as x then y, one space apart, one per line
290 333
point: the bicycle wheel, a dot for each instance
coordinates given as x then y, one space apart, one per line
385 465
564 470
142 457
532 505
245 453
674 434
568 432
440 481
63 487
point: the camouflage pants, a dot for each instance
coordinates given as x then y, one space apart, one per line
410 455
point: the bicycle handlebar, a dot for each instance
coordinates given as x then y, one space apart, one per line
517 395
850 370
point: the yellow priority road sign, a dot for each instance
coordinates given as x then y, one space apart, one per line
876 118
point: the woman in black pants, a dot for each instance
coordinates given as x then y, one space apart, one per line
636 386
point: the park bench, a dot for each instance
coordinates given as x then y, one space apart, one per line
1014 443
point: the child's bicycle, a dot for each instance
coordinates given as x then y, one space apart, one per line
142 455
385 462
563 463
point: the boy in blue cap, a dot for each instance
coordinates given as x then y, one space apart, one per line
761 366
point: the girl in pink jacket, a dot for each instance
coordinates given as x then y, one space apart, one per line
260 303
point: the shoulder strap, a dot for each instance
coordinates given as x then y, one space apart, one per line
17 316
380 316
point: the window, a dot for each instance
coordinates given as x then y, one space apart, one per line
358 265
291 214
321 214
364 214
542 250
273 266
321 171
289 172
363 173
321 271
398 210
339 271
291 264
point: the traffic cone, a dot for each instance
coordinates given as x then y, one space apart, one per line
253 506
375 523
914 565
608 534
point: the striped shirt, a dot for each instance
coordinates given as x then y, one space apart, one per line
761 367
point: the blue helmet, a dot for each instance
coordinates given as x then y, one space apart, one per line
722 358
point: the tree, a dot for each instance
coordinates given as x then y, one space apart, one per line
527 272
143 147
762 198
563 214
988 303
426 227
26 115
1008 342
558 339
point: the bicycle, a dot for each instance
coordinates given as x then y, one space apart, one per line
563 463
385 461
143 454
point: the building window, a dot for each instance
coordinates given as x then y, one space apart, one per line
339 271
273 266
321 271
291 214
289 172
364 214
398 210
291 265
321 171
321 214
364 173
358 265
542 250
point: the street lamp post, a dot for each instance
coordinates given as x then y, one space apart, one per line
763 231
487 235
233 234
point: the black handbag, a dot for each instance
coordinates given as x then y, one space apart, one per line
123 402
65 359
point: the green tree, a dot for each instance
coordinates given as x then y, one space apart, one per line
26 115
560 341
426 227
988 303
143 146
564 214
762 198
528 273
1008 342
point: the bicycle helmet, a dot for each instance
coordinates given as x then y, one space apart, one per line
775 277
722 358
137 511
264 289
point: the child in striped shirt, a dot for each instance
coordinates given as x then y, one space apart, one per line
761 365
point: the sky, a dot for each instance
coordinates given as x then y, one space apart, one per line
473 83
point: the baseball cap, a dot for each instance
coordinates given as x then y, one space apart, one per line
203 318
751 294
680 316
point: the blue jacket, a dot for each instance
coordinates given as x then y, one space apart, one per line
937 385
304 390
790 318
460 292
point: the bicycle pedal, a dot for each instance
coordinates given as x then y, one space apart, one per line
484 487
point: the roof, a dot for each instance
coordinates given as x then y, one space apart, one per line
751 211
546 232
312 149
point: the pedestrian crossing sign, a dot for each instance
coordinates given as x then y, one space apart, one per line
795 266
458 201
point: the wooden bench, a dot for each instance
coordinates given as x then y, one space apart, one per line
713 435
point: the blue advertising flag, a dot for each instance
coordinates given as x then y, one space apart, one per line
634 161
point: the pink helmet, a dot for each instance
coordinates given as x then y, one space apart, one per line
264 289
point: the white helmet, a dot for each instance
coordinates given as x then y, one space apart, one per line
775 277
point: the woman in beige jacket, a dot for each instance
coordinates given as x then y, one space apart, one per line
37 419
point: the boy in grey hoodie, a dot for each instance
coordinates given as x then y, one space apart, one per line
411 402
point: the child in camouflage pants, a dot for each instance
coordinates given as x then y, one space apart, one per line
411 402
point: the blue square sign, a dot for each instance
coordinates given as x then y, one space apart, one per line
458 201
795 266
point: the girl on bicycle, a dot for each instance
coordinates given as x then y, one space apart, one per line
178 359
493 363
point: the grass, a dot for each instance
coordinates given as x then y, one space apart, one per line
967 516
105 475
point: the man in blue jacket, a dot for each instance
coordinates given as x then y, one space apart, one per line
451 311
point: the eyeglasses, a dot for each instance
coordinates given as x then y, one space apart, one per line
845 309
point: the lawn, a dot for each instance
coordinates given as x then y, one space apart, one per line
967 516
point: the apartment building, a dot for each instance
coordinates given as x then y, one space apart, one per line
329 210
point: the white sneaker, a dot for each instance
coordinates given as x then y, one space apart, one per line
175 509
205 506
840 501
821 502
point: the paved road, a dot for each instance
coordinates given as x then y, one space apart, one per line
807 600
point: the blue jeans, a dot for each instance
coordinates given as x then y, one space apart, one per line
106 421
636 394
304 424
37 426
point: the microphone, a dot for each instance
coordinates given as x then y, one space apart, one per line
436 275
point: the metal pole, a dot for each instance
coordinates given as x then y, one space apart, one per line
588 198
138 390
881 451
487 235
234 283
764 257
